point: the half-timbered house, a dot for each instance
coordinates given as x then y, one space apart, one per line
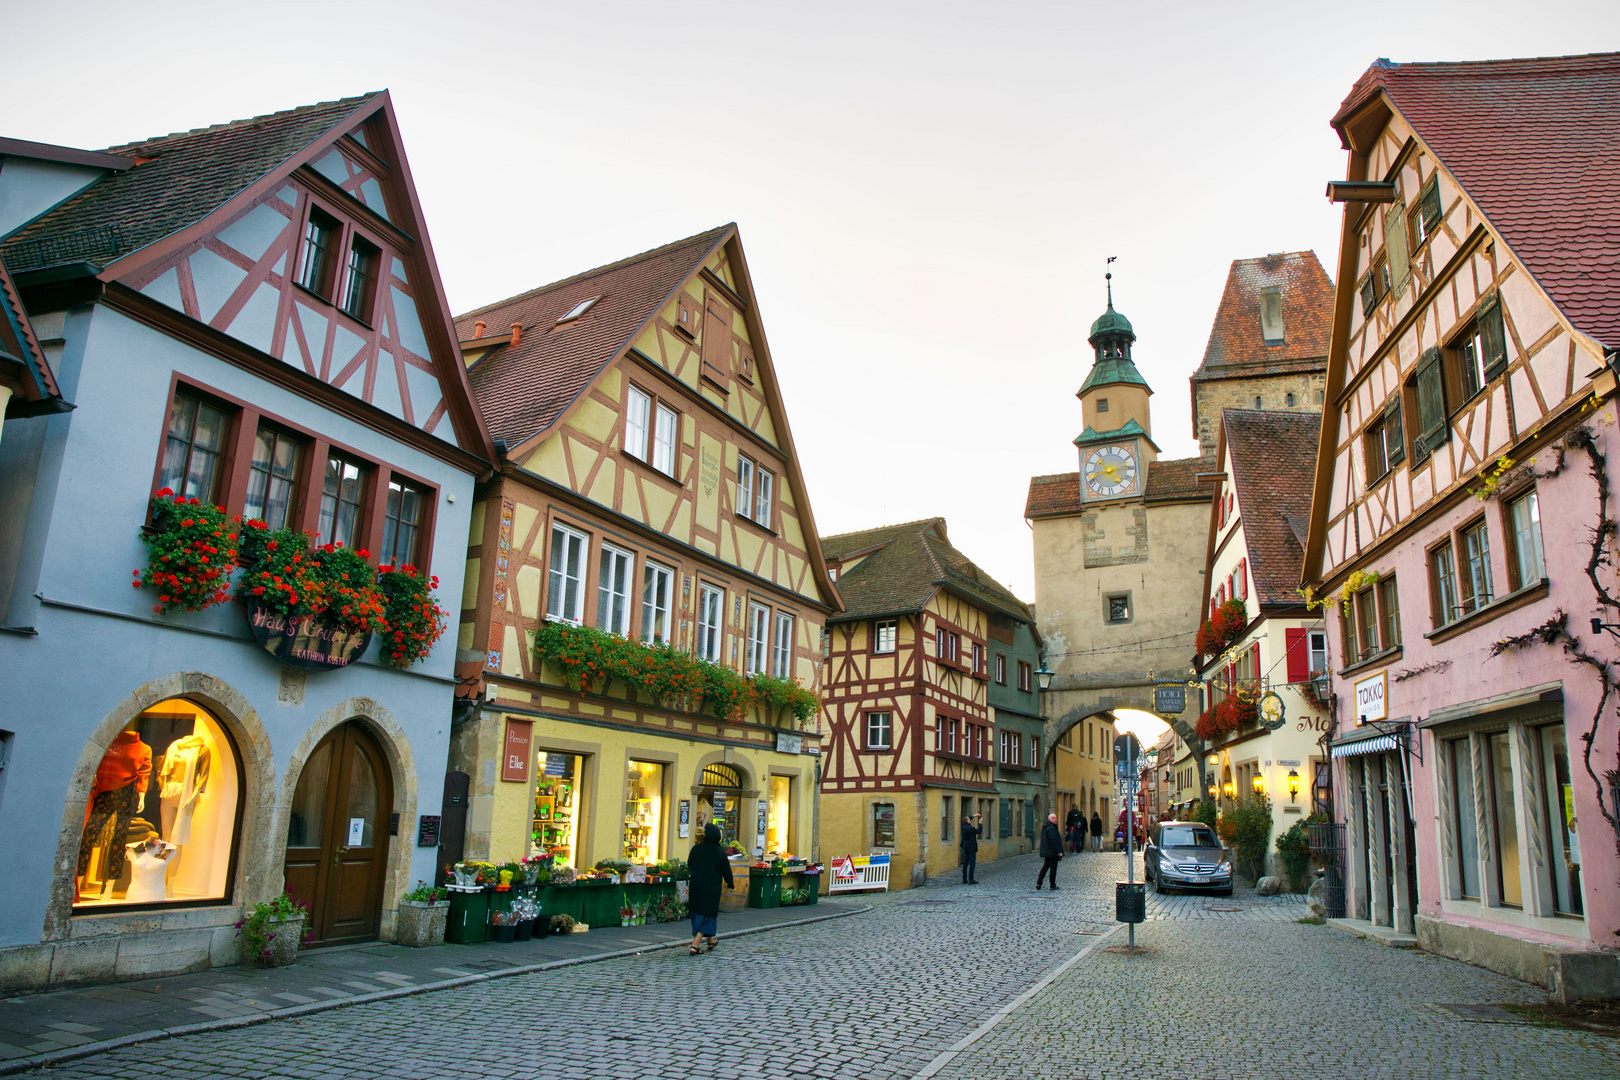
249 315
648 512
1470 401
909 743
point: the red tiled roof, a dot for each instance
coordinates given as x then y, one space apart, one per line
1272 456
523 391
1168 480
1536 144
913 560
1236 346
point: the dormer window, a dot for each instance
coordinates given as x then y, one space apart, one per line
1271 316
578 309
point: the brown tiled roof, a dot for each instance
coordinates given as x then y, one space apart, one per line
1236 348
1168 480
523 391
913 560
189 175
1272 456
1536 144
19 345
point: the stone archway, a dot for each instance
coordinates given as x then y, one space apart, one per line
396 748
257 877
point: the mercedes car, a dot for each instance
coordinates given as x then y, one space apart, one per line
1186 855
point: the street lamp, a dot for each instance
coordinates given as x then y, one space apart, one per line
1259 784
1293 786
1231 790
1045 676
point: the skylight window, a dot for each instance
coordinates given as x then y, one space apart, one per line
579 309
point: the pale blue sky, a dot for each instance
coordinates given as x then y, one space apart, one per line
927 191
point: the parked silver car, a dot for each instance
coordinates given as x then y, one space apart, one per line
1186 855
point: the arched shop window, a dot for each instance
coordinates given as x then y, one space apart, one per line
164 812
720 800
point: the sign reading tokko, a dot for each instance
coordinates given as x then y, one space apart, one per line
312 643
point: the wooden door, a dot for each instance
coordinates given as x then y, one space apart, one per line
337 836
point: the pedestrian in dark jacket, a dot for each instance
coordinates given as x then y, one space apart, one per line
1051 852
969 844
1096 831
708 867
1076 825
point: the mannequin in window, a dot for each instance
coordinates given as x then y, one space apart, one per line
120 781
150 857
184 779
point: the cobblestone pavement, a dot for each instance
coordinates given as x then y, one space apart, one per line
1245 992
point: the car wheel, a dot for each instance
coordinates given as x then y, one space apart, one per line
1158 887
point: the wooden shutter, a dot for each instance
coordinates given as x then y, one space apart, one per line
1431 401
716 340
1369 294
1243 576
1493 337
1429 206
1298 644
1394 436
1254 660
1395 244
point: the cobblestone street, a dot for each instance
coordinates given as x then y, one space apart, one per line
1228 987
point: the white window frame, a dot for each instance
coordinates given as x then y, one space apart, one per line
710 622
886 725
607 596
745 486
1001 669
878 635
764 482
782 646
759 621
566 543
666 427
657 592
637 414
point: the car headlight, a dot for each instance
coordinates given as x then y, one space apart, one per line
1224 868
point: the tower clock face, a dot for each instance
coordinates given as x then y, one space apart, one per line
1111 470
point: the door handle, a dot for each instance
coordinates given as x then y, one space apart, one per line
337 856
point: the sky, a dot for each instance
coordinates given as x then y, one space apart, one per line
927 192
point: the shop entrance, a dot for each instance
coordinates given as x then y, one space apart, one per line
337 836
720 800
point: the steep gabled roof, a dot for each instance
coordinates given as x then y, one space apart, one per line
1272 459
19 348
178 181
1236 346
1535 143
1168 480
910 563
525 390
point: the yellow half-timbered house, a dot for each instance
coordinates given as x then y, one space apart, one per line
648 511
909 743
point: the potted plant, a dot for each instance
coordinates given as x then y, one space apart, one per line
272 932
422 915
562 924
505 925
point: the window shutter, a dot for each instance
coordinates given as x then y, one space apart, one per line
1395 243
1429 206
1254 660
1299 655
1243 576
1369 294
1394 436
1431 400
1493 336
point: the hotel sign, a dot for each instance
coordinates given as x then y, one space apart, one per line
1372 698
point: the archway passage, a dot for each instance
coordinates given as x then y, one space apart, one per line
337 836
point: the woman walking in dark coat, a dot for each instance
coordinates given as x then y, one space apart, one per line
708 867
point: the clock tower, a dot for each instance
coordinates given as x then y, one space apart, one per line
1117 442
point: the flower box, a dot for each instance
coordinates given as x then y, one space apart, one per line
421 923
282 937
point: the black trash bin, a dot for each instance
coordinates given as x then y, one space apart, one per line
1130 901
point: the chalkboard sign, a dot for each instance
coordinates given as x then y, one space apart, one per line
427 830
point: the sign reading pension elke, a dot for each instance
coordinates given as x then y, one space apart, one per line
1170 700
311 643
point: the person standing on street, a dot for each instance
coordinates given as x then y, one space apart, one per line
1076 824
1096 831
970 848
708 867
1051 852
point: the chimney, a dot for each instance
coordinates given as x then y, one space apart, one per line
478 328
517 334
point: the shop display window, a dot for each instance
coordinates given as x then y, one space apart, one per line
160 826
778 818
644 812
558 806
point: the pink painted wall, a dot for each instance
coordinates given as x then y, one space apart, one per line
1568 504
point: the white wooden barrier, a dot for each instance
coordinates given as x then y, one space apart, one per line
855 873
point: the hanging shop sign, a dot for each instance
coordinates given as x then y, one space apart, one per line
1170 700
312 643
1371 698
515 758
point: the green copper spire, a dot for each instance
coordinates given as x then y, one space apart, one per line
1111 338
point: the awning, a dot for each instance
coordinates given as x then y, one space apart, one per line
1376 745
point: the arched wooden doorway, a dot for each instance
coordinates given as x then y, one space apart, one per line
720 793
337 836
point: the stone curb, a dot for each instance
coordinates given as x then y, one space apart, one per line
70 1053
